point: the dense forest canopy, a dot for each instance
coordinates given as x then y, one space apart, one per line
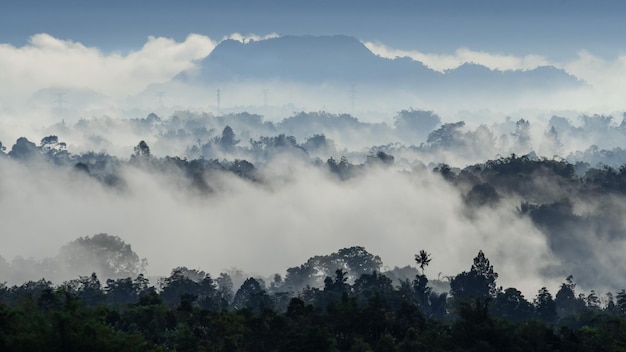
190 310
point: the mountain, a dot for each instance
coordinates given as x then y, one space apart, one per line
474 79
344 59
307 59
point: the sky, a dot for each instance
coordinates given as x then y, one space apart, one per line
557 28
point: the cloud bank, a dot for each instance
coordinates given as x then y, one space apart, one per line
48 62
443 62
265 228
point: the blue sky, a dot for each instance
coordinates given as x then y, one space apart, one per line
554 28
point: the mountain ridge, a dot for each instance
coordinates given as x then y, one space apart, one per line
344 59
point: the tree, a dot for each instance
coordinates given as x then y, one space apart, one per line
87 288
479 282
224 289
447 136
124 291
368 285
593 301
228 141
320 144
339 285
142 150
177 286
511 305
415 124
621 301
565 299
358 261
545 306
422 259
380 158
50 145
23 149
252 296
422 293
481 194
107 255
522 132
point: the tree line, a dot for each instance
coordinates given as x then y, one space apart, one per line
356 308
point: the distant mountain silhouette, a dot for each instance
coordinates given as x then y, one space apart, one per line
306 59
344 59
481 77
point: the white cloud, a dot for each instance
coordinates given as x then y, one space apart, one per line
606 76
246 38
442 62
605 93
267 228
47 61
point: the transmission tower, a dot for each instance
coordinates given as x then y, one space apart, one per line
352 96
218 100
60 100
160 95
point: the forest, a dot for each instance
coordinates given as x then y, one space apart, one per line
356 309
239 197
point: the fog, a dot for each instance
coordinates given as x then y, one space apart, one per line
296 209
315 182
300 212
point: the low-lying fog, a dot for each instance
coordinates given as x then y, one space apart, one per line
318 174
296 207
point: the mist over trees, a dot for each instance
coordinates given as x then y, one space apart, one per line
574 201
199 196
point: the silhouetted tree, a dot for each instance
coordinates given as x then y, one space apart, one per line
23 149
511 305
87 288
380 158
621 301
415 124
447 136
565 299
481 194
104 254
125 291
522 132
227 141
545 306
142 151
252 296
479 282
422 259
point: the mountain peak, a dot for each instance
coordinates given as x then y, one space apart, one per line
341 59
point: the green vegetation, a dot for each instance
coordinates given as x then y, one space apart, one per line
192 312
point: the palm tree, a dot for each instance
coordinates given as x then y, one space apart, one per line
422 259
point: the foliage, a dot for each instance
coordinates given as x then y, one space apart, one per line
107 255
191 312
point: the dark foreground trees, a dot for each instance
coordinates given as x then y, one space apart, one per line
192 312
